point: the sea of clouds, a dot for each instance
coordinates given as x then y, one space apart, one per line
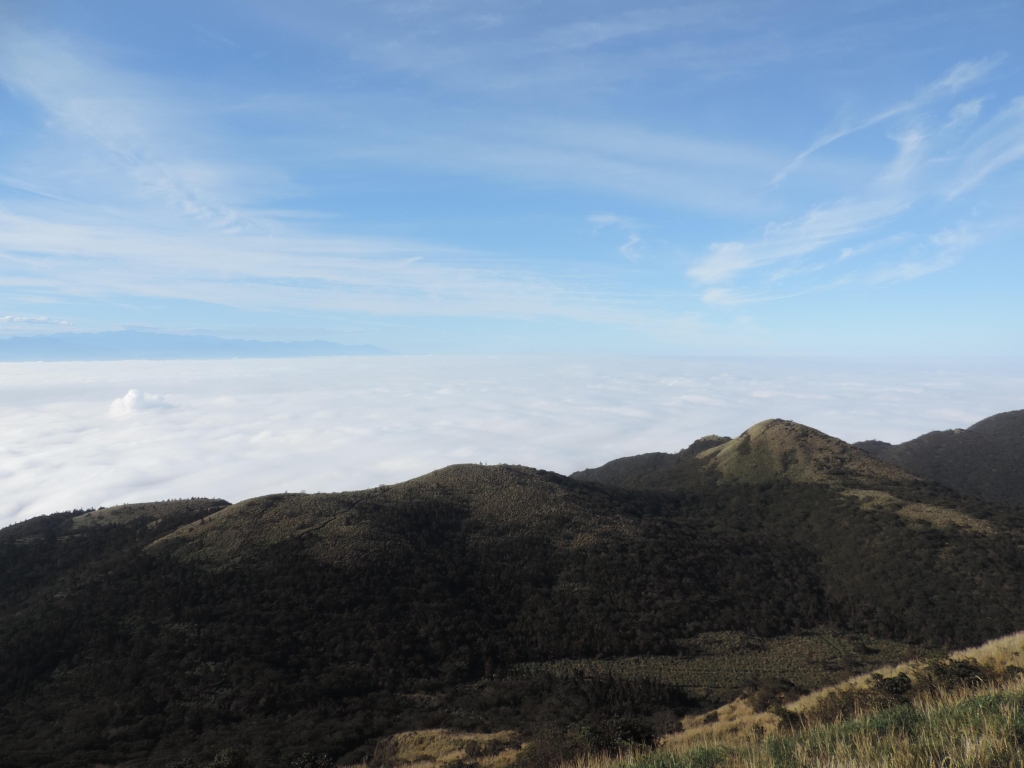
76 435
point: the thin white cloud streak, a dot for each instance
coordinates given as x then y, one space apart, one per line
71 437
143 136
731 297
950 244
18 320
706 175
963 73
998 144
963 113
820 227
601 220
630 249
893 192
535 47
137 130
228 254
910 270
337 274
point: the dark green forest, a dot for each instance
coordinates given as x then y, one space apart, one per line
984 460
316 624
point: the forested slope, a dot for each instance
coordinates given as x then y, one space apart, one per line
317 623
984 460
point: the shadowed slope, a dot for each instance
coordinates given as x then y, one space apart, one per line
320 622
501 501
297 622
651 470
984 460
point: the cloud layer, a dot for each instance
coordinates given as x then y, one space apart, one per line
76 435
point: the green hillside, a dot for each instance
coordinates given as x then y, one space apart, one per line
484 599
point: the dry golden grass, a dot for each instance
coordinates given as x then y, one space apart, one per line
997 654
940 517
777 448
441 747
154 511
734 725
1000 653
965 726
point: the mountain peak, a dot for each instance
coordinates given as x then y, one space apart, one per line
778 448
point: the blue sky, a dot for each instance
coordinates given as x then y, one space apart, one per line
495 177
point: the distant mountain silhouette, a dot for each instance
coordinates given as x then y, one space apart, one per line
144 345
468 599
985 460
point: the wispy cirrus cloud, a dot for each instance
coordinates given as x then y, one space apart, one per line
290 270
284 270
522 48
944 249
710 175
998 144
947 246
19 320
963 113
434 159
631 249
601 220
131 142
963 73
820 227
194 233
947 155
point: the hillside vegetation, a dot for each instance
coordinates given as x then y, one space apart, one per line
485 599
965 711
984 460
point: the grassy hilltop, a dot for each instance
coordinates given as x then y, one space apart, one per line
588 612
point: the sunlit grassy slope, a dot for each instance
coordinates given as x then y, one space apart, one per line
966 710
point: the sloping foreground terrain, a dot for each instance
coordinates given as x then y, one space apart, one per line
469 599
964 711
984 460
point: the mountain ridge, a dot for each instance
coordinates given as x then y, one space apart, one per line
984 460
462 599
769 450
